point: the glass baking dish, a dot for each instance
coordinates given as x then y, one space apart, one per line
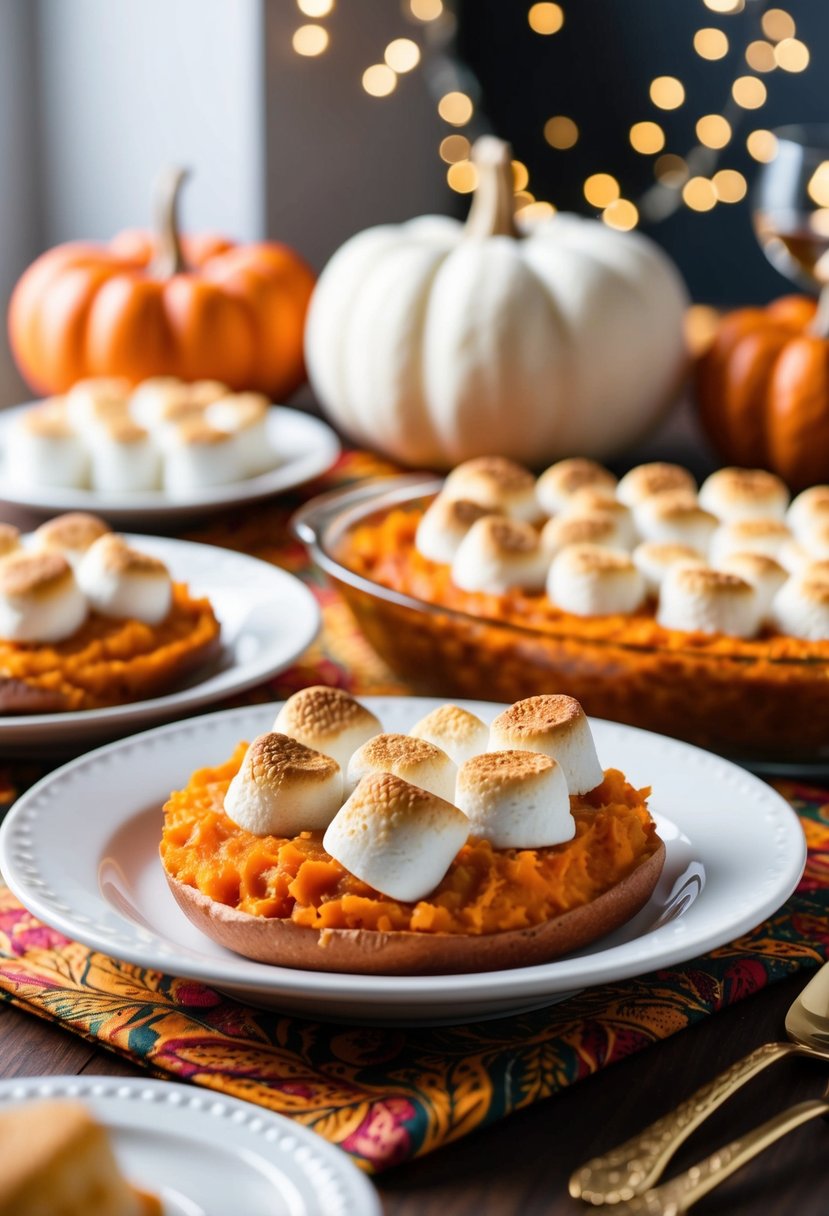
768 712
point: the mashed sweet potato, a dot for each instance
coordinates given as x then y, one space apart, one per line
108 661
484 891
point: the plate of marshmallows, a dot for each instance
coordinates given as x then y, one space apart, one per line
163 447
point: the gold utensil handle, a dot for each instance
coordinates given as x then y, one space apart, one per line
638 1163
678 1195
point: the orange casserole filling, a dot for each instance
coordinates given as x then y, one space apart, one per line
112 662
383 550
485 890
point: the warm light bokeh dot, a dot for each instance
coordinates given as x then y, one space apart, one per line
711 43
818 187
621 214
462 177
426 10
762 145
760 56
725 6
778 24
379 80
729 185
455 108
667 92
520 176
402 55
534 213
699 194
561 132
713 130
819 221
749 92
546 18
671 170
310 40
315 8
454 148
791 55
601 189
647 138
524 198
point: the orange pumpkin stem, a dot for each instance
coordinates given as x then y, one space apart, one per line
820 325
493 205
169 259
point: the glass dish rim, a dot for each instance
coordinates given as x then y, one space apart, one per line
340 509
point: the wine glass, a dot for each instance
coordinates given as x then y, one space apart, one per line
791 208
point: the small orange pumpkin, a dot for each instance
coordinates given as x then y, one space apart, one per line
763 390
195 307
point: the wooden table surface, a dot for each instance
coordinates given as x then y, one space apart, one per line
520 1165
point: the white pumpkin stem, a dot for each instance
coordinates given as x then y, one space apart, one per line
820 325
169 259
493 205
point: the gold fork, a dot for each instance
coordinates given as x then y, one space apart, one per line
678 1195
638 1164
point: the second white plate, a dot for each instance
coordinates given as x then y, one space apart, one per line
306 447
204 1154
80 850
268 619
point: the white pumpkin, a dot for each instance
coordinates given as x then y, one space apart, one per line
435 341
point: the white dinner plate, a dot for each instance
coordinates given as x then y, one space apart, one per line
268 619
306 447
204 1154
80 850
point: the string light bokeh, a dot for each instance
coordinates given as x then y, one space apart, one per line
698 178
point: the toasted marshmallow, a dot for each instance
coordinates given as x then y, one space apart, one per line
590 528
598 500
696 598
155 397
70 534
124 458
556 726
557 485
808 510
590 581
40 600
246 416
454 730
675 517
444 524
794 557
817 542
416 761
801 606
516 799
646 480
653 559
97 402
9 539
205 392
284 788
499 484
396 837
120 582
328 720
765 536
744 494
498 554
197 457
765 575
42 450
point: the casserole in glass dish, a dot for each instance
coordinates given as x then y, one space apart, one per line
763 700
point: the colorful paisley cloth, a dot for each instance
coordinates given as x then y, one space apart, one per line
386 1095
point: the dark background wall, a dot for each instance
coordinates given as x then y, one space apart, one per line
597 70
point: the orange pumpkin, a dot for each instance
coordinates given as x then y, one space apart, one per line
195 307
763 390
